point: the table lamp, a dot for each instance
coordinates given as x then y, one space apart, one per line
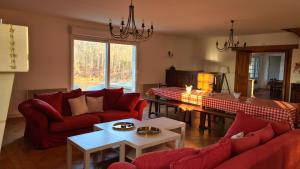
224 70
13 58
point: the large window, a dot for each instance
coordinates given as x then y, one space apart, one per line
254 68
97 65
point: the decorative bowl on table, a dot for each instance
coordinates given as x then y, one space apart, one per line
236 95
123 126
148 130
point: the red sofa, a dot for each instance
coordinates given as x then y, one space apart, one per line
42 132
281 152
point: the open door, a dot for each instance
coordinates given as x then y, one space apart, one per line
242 72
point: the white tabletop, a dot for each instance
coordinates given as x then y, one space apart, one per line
164 122
90 141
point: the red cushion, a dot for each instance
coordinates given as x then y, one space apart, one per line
265 134
111 97
54 99
244 123
280 128
69 95
112 115
244 144
128 101
207 158
46 108
161 159
122 165
75 123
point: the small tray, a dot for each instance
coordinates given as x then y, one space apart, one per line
123 126
148 130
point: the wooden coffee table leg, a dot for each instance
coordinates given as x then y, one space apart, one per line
86 160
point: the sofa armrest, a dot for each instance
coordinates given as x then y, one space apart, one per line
122 165
140 108
37 123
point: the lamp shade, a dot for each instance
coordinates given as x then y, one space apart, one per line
224 69
13 48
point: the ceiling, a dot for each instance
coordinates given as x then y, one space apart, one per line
189 17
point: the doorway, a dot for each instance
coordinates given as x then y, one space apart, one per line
266 75
243 56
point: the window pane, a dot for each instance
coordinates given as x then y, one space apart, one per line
122 66
89 65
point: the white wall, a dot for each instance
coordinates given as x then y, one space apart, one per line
49 47
208 57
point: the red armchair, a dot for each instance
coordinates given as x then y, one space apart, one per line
42 132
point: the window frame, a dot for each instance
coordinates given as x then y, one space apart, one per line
107 66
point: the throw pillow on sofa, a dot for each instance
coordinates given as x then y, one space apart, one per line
247 123
111 97
78 105
128 101
54 99
265 134
161 159
66 96
94 104
207 158
243 144
49 110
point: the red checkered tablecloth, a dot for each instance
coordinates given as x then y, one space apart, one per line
277 111
177 93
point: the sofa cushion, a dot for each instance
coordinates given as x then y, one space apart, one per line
94 104
244 144
69 95
244 123
207 158
111 97
54 99
111 115
78 105
74 123
162 159
265 134
128 101
280 128
47 109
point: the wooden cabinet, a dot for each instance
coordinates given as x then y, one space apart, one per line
295 93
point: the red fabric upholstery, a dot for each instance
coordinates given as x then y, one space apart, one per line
265 134
46 108
122 165
282 152
244 144
207 158
44 133
161 159
75 122
69 95
112 115
54 99
244 123
111 97
280 128
128 101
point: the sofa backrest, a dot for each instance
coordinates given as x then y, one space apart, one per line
282 152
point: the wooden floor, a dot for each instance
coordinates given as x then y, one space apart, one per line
17 153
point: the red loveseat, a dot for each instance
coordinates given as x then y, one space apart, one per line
43 132
281 152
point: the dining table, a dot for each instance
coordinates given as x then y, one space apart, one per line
271 110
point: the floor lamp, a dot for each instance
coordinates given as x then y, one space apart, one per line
14 58
224 70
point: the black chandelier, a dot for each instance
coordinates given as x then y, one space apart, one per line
130 31
230 43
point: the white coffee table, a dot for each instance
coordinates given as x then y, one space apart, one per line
139 142
94 142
